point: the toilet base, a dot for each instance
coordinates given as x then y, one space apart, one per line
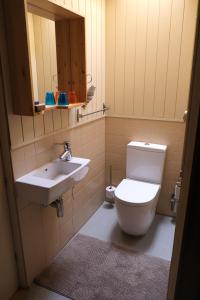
135 220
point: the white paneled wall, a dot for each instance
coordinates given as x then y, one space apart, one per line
27 129
43 55
149 49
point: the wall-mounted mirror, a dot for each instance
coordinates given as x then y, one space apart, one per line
42 43
57 56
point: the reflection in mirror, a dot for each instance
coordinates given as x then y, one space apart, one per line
42 42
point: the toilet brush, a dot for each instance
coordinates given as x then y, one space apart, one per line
110 175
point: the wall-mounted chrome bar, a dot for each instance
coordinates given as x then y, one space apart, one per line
80 116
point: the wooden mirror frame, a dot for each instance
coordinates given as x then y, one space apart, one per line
70 47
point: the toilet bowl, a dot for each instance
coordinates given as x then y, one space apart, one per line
136 197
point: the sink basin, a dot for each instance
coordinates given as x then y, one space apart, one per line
49 182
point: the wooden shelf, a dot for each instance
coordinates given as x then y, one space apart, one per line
70 106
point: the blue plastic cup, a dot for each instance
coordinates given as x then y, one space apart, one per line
63 99
49 98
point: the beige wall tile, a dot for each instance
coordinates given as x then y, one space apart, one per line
33 240
51 235
28 128
18 162
44 157
29 150
66 232
39 125
44 145
16 134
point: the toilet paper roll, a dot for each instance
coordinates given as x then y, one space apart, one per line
110 192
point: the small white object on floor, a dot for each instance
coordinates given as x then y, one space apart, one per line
110 193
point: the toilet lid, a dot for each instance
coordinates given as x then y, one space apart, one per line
136 193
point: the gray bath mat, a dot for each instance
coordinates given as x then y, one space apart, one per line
92 269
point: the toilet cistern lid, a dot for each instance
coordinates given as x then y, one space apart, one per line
147 146
136 193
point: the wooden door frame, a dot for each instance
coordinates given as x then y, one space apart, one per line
5 99
185 270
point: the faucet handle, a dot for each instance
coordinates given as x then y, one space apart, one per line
67 144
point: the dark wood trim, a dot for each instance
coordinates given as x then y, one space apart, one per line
5 99
187 285
185 266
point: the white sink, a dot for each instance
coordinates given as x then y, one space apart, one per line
49 182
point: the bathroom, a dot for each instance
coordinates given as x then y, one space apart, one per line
138 55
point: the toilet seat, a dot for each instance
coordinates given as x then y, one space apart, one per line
136 193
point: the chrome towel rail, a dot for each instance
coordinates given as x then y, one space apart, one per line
80 116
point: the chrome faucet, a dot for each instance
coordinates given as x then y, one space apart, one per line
67 154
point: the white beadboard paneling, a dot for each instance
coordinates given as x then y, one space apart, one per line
149 49
39 56
88 24
140 57
129 66
52 52
60 2
110 54
46 57
82 6
162 57
187 46
103 37
151 52
120 57
99 57
32 55
68 4
174 57
43 53
75 5
94 53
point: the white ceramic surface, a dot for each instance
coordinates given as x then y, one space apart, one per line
46 184
145 161
137 196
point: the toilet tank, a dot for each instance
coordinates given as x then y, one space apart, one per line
145 161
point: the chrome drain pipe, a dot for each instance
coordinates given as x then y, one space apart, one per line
58 205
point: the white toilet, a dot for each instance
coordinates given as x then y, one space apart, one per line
136 196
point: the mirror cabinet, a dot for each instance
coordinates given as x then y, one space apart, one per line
46 49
